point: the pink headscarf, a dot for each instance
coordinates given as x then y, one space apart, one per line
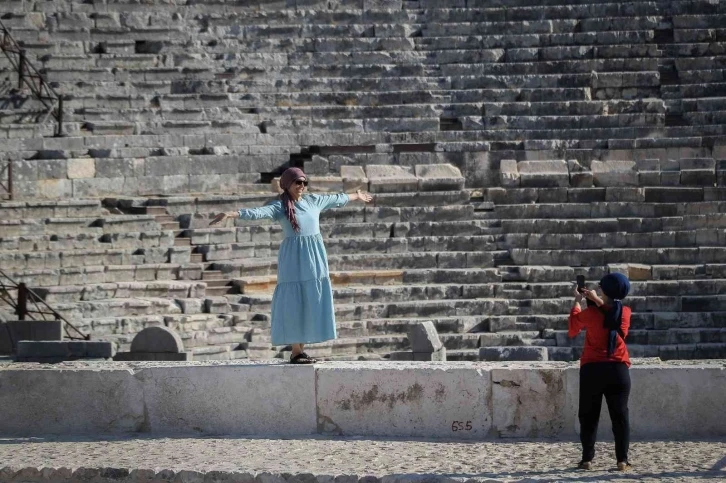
288 204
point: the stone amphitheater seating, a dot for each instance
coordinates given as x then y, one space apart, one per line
492 272
590 138
186 96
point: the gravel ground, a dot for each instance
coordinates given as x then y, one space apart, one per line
494 461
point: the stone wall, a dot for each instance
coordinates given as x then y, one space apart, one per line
469 401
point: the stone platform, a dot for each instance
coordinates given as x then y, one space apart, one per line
459 401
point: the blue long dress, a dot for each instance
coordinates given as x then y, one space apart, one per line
302 305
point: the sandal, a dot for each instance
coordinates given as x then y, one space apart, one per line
311 359
300 359
624 466
584 465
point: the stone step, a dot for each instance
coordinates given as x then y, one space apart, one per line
24 210
82 240
68 225
585 257
549 211
218 353
510 338
653 337
108 274
515 196
397 261
88 257
679 351
335 246
373 229
630 225
118 307
620 239
129 325
127 290
453 289
622 111
355 345
361 328
214 337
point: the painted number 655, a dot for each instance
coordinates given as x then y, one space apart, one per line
461 426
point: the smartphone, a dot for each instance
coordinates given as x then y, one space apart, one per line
581 286
580 283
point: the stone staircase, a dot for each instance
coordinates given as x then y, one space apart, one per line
488 275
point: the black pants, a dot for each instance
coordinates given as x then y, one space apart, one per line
612 380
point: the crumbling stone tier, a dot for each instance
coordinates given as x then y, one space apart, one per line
510 146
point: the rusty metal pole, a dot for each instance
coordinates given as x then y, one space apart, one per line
59 118
21 68
10 179
22 309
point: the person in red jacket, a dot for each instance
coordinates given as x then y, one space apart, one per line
604 365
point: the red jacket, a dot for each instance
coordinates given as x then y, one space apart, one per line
596 335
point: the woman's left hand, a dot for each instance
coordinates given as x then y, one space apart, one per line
363 196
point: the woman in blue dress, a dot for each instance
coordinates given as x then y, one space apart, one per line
302 305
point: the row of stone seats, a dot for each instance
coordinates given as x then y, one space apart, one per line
565 275
613 173
93 241
523 59
448 282
90 275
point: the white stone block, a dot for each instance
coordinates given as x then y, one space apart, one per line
391 179
81 168
529 402
354 178
439 177
259 399
39 401
400 399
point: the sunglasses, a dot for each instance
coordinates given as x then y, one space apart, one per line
301 182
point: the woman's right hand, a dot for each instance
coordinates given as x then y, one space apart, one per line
223 216
592 295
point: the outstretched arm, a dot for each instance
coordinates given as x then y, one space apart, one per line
265 212
363 196
326 202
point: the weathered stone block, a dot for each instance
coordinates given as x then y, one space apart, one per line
439 177
614 173
54 188
580 177
543 174
81 168
508 173
514 416
233 409
423 337
55 351
429 399
354 177
391 179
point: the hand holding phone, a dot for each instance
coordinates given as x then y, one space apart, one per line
581 287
